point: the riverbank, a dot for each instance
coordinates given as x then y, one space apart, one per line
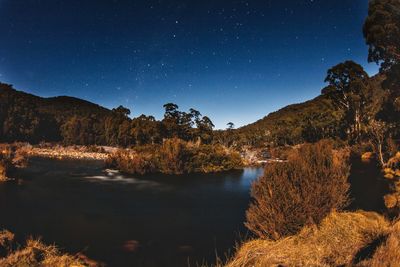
59 152
174 156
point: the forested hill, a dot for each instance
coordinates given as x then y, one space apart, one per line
60 106
26 117
310 121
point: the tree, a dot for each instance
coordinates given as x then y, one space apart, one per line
382 32
122 111
205 129
111 129
350 90
380 134
196 115
171 120
171 111
145 130
382 35
230 125
124 133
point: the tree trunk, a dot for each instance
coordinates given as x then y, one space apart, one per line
381 159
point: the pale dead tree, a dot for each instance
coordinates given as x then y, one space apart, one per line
379 132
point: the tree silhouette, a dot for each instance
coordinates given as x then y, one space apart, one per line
123 111
348 84
382 34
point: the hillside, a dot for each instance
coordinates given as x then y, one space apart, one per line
304 122
26 117
60 106
309 121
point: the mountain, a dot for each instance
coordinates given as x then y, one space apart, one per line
60 106
26 117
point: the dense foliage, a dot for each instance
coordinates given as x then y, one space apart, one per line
309 121
175 156
301 191
24 117
382 35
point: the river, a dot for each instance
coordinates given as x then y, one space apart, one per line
156 220
121 220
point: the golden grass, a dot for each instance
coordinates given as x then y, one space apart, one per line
337 241
388 253
35 253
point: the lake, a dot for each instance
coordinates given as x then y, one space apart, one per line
121 220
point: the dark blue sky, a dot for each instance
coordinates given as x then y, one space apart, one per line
232 60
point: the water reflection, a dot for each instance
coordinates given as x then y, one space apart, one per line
126 220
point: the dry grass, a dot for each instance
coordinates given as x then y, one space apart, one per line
12 156
388 253
341 239
35 253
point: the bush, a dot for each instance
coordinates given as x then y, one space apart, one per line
6 158
175 156
392 174
302 191
131 162
3 171
12 156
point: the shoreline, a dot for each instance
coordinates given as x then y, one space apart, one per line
81 152
66 153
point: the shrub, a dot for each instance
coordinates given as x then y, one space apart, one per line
12 156
302 191
132 162
175 156
392 172
3 170
6 158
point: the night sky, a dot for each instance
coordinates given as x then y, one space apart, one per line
232 60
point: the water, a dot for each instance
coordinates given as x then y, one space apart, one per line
144 221
127 220
368 186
